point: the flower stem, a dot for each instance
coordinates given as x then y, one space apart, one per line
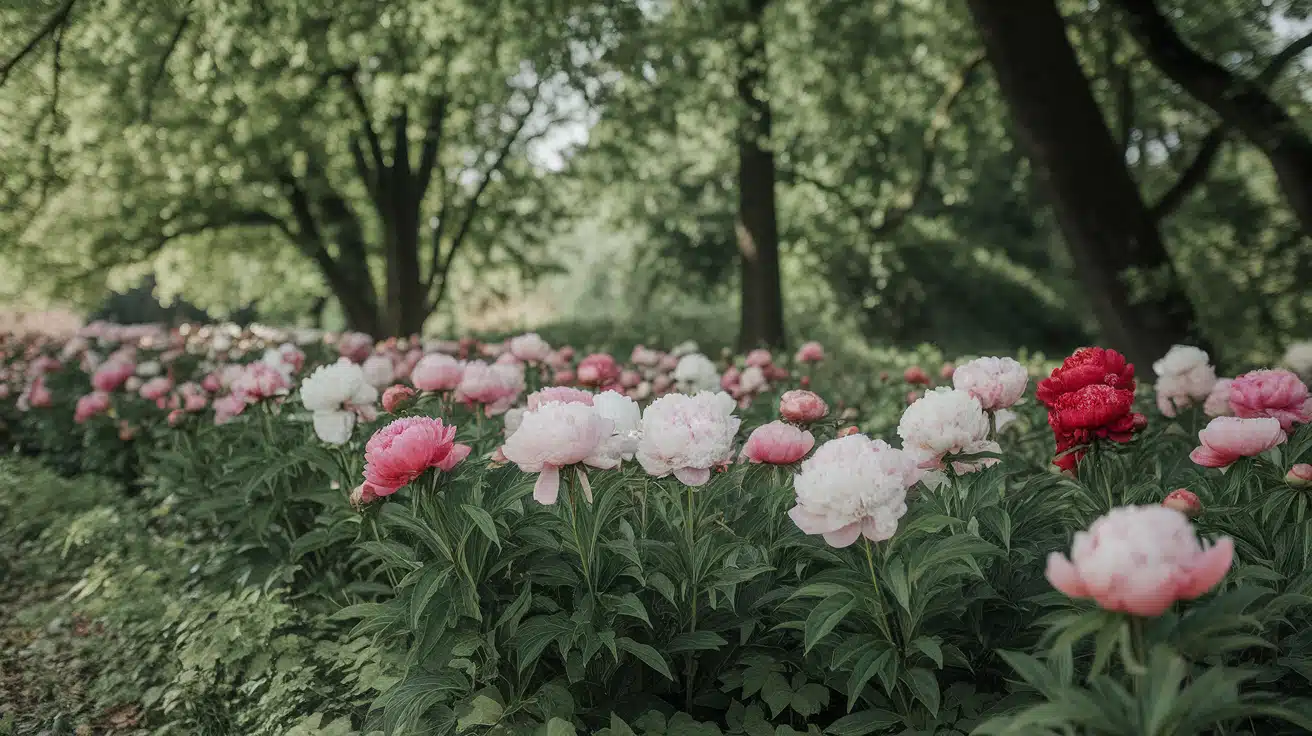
874 584
578 539
692 626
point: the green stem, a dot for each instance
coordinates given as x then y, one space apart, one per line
878 597
993 425
578 540
692 628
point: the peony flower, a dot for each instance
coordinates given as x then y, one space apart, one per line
759 358
802 407
630 379
1226 439
338 395
1091 395
810 352
1184 501
554 436
687 435
1184 377
916 375
997 383
156 388
777 443
1298 358
149 369
1086 367
695 372
378 371
512 419
852 487
396 397
1218 400
687 347
562 377
1140 560
752 381
598 369
1300 476
731 380
112 374
946 421
355 346
494 386
260 381
226 408
627 416
644 357
437 372
530 348
848 431
96 402
175 417
457 455
401 451
1271 393
559 394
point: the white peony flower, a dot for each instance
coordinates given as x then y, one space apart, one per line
624 412
338 394
852 487
1298 358
512 419
556 435
688 435
695 372
378 371
752 380
687 347
946 421
996 382
1184 377
530 348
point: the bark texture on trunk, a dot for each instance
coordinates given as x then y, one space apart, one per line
1106 225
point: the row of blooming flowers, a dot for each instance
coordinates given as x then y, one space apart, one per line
675 414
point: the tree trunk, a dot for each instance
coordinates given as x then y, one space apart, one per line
1105 223
761 320
1241 103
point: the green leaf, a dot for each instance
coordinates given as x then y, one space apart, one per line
431 581
651 657
537 633
924 686
897 581
827 615
628 605
810 699
483 520
560 727
510 618
931 648
866 667
863 722
695 641
483 711
776 693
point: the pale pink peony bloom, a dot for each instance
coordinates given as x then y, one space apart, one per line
90 405
946 422
211 383
1184 501
687 435
355 346
1300 476
810 352
777 443
630 379
401 451
226 408
759 358
661 385
437 372
459 451
853 487
669 362
194 402
292 357
946 371
802 407
1140 560
645 357
558 360
378 371
507 358
598 369
554 436
38 396
695 372
176 416
133 384
112 374
731 380
916 375
156 388
396 397
260 381
1218 400
558 394
624 412
1184 378
1278 394
1226 439
494 386
997 383
563 377
752 381
530 348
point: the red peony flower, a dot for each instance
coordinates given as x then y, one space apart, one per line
1090 396
1086 367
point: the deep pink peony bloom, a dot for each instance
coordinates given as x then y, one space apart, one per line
396 397
1278 394
1184 501
90 405
802 407
598 369
459 452
1226 439
1140 560
810 352
437 372
777 443
560 394
112 374
175 417
401 451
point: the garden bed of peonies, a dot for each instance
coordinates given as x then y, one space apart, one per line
333 535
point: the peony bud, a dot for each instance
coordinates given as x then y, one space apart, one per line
916 375
848 431
396 398
1184 501
802 407
1300 476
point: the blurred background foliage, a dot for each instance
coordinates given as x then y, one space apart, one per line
585 166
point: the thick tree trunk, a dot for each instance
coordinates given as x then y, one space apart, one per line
1241 103
1107 227
762 311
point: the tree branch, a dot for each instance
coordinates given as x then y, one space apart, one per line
55 22
428 156
366 120
162 67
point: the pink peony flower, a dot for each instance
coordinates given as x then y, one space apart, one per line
810 352
378 370
1300 476
437 372
1218 400
396 397
560 395
175 417
90 405
457 455
156 388
997 383
564 377
759 358
916 375
401 451
802 407
630 379
598 369
554 436
946 371
1140 560
211 383
260 381
848 431
1226 439
777 443
642 356
494 386
355 346
1278 394
530 348
687 435
731 379
112 374
853 487
1184 501
228 407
